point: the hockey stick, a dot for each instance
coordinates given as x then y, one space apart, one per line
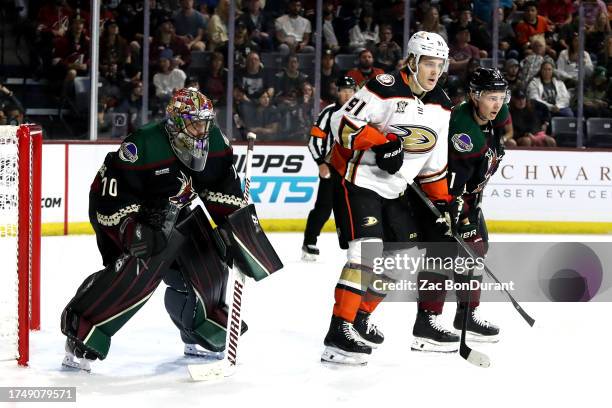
472 254
473 356
227 366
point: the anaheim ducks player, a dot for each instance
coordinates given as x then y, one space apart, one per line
393 131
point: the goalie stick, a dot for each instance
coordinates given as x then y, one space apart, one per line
227 366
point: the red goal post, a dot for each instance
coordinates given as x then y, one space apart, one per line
20 233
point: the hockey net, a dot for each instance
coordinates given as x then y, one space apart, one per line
20 230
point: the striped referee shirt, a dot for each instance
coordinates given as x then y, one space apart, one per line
321 142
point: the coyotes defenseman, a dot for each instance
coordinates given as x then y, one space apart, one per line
393 131
474 156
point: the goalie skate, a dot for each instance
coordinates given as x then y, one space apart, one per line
192 350
71 362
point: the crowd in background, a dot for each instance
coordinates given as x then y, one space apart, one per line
274 55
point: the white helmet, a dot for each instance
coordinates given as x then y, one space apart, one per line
430 44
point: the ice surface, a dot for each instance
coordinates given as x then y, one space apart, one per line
562 362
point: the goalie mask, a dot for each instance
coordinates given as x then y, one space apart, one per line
190 118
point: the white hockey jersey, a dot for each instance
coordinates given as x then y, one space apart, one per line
387 105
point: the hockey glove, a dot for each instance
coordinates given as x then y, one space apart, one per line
142 240
446 225
471 235
390 156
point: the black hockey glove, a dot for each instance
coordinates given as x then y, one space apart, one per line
390 156
142 240
446 225
471 234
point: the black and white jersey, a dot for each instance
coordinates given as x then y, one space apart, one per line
387 105
321 142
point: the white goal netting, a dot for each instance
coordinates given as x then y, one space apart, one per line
8 242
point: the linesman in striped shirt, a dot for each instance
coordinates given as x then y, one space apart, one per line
320 145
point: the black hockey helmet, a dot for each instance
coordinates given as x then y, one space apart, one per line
487 80
346 82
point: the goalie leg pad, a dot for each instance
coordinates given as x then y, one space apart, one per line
195 299
248 245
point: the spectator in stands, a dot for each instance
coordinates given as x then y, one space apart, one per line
115 54
329 73
132 105
595 39
464 21
191 24
530 65
330 40
598 95
365 34
567 63
387 53
559 12
243 45
217 26
431 23
263 119
192 82
365 70
507 38
533 26
52 22
592 10
529 127
479 35
167 38
71 55
512 71
7 97
293 31
257 24
14 115
253 78
550 91
604 58
168 79
289 79
214 82
306 102
461 52
483 10
2 118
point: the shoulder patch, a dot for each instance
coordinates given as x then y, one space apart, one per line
128 152
385 79
462 142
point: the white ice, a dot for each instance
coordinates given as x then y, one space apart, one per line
564 361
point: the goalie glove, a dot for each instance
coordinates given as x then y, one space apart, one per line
390 155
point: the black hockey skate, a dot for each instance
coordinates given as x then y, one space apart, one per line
343 344
429 335
478 329
369 333
310 253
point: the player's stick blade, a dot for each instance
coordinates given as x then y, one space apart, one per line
475 357
211 371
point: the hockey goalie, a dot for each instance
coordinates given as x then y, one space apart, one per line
147 231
